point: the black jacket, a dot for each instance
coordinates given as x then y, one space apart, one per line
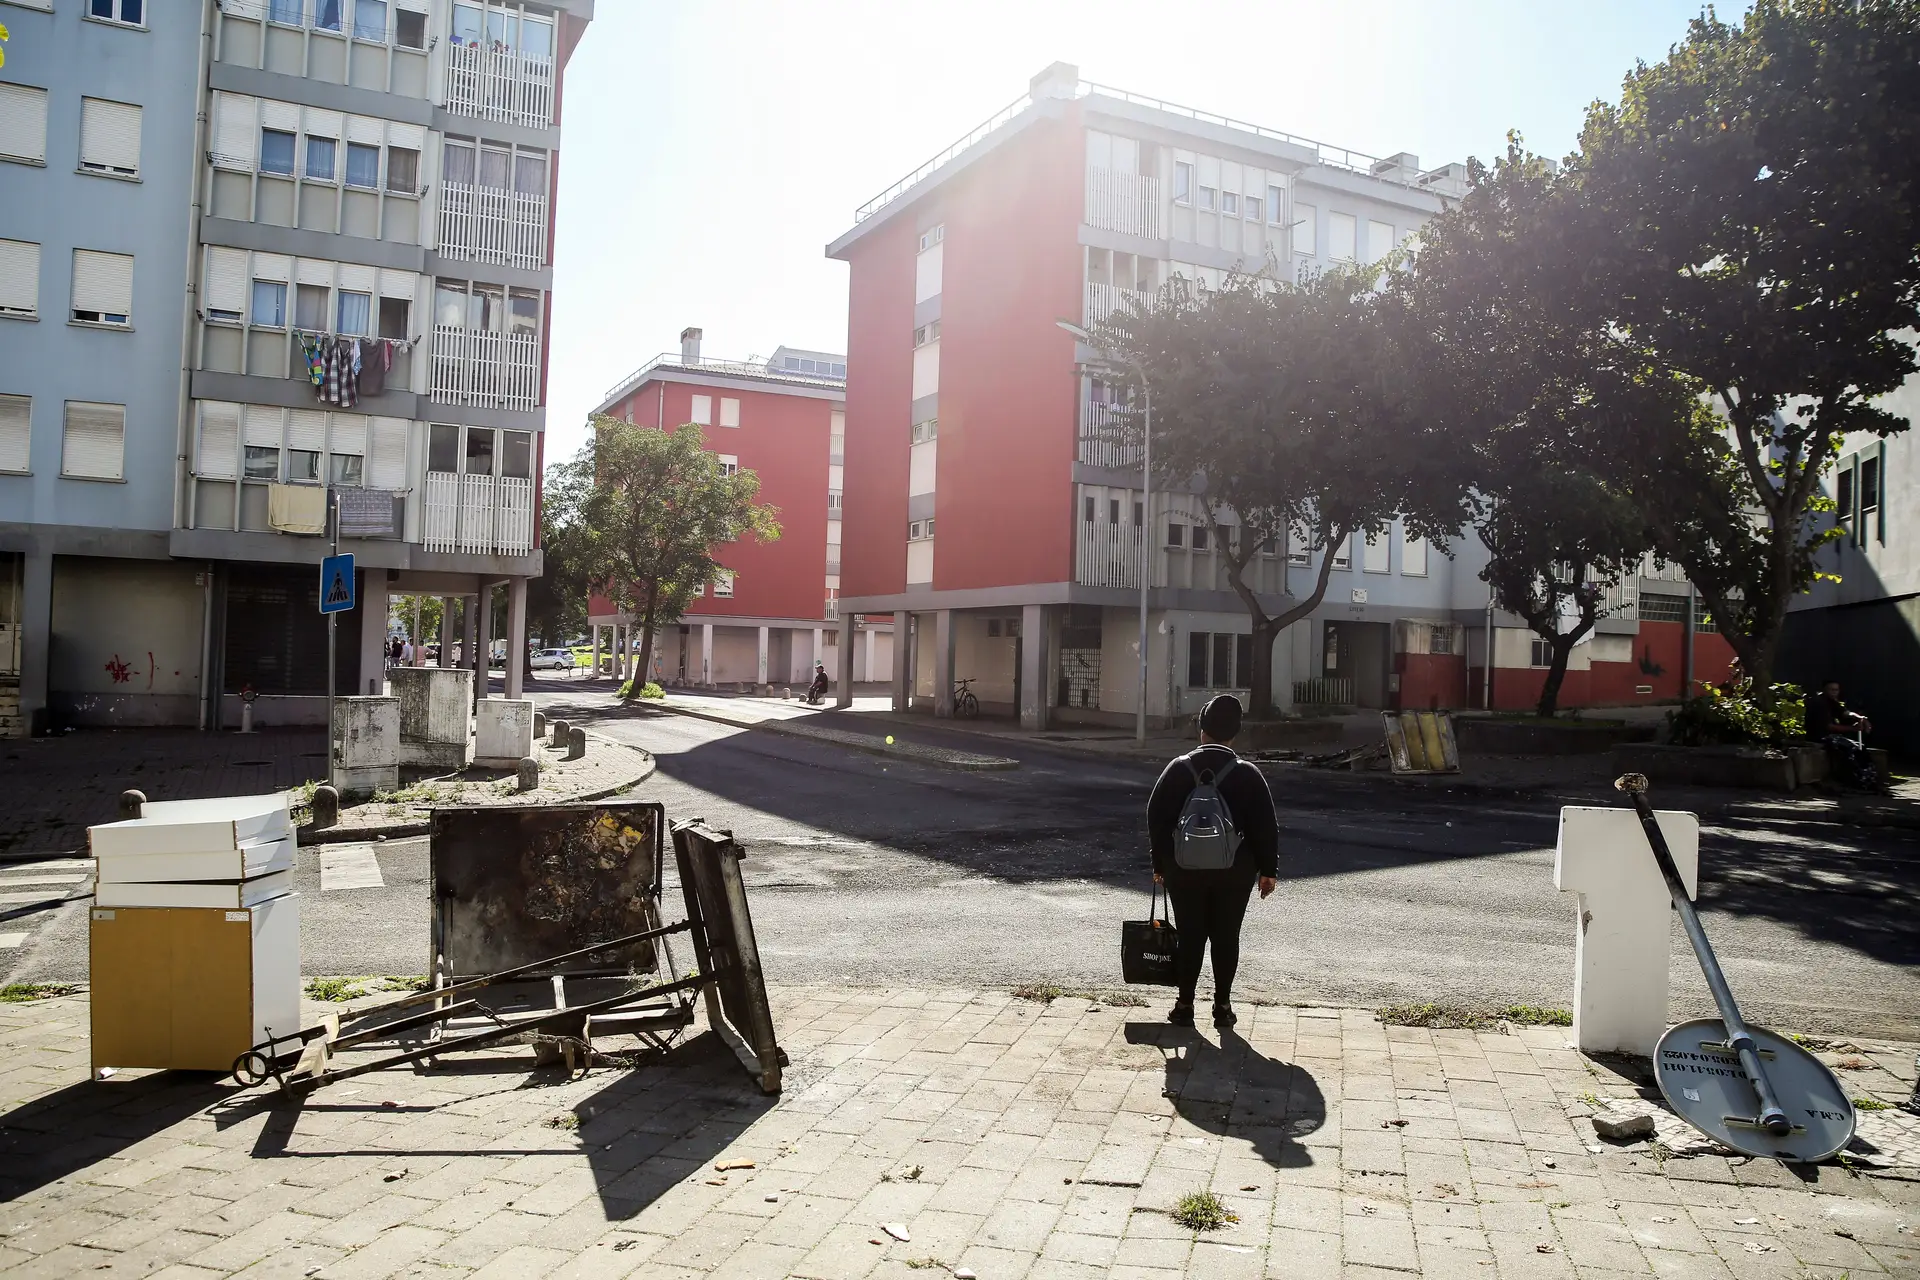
1244 789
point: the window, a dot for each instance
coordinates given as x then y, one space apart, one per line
102 287
1113 511
109 137
1298 549
270 303
729 411
516 457
93 445
1342 231
1182 182
1662 607
1276 205
1200 532
287 11
356 314
346 470
1207 196
1213 657
1230 204
394 314
1542 655
523 316
262 462
1303 230
310 307
1413 556
320 159
919 530
326 14
1139 515
443 448
1374 556
926 333
23 123
1343 554
1439 639
932 236
836 501
19 278
723 584
303 466
1843 498
1197 650
276 152
1086 509
1379 240
363 165
702 411
370 20
1253 210
403 169
480 445
925 431
729 465
1869 491
16 432
131 12
530 174
1176 534
410 29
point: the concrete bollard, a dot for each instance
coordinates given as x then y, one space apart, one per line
560 729
539 726
576 743
326 806
130 804
529 775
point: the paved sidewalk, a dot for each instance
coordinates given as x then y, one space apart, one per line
922 1133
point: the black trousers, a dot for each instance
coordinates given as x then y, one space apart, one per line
1209 909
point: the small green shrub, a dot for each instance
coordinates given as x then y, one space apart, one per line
25 992
1871 1104
337 990
1528 1015
647 690
1203 1211
1735 717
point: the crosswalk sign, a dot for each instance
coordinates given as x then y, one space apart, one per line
336 584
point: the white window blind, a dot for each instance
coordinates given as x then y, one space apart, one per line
272 266
109 136
94 444
1303 238
236 130
365 129
349 433
729 411
263 426
1375 557
307 429
325 124
397 284
16 429
387 453
703 410
313 271
19 278
358 278
411 136
23 122
1413 556
219 449
284 116
1342 231
227 278
103 283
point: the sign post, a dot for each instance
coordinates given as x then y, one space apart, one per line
336 597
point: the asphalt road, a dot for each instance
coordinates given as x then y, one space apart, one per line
876 870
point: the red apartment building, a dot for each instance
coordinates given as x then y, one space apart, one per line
990 515
771 616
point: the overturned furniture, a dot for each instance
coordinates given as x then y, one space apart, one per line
546 929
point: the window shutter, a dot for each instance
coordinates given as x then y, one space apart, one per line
411 136
236 130
283 116
313 271
325 124
19 277
219 451
386 466
307 429
349 433
263 426
226 279
103 282
398 284
358 278
16 430
365 129
23 122
729 411
109 136
272 266
95 441
703 410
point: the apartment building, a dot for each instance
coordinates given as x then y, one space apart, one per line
992 512
771 615
267 251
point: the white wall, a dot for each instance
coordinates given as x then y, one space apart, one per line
921 467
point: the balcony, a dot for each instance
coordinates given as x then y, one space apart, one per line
500 84
1108 555
479 515
1103 438
832 612
1104 299
496 370
1125 202
491 224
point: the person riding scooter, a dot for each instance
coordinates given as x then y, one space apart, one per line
817 691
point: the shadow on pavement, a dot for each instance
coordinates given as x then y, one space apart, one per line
1232 1089
74 1128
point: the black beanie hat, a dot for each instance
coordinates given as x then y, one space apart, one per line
1220 718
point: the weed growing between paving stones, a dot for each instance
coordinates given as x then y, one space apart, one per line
1203 1211
25 992
1462 1017
1048 992
1529 1015
337 990
565 1120
1871 1104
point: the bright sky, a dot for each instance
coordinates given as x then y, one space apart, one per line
712 148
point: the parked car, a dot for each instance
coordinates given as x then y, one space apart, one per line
553 660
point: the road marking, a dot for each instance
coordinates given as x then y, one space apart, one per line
8 941
14 881
350 866
45 895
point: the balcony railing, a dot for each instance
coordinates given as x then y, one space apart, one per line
500 370
832 612
1109 555
1104 299
1125 202
1103 439
480 515
499 84
1324 691
489 224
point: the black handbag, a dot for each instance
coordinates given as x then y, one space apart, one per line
1147 948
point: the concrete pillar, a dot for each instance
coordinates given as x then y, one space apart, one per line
706 653
36 637
596 650
446 631
819 650
373 632
1033 667
762 677
943 662
469 633
516 635
902 652
843 695
484 643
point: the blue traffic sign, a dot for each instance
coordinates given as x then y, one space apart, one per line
336 584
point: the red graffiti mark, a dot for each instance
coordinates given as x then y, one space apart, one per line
120 671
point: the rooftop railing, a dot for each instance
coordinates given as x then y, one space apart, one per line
725 368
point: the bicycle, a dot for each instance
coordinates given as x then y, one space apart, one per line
965 705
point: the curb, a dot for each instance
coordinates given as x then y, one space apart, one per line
977 764
399 829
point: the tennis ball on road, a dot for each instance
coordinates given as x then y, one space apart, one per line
889 739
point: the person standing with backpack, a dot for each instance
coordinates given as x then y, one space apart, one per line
1214 835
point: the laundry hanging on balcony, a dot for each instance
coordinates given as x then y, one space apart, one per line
343 369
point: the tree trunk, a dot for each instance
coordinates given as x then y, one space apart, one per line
646 639
1260 692
1549 702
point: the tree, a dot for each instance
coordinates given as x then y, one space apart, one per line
639 511
1751 212
419 616
1275 405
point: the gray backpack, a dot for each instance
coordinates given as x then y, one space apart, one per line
1205 838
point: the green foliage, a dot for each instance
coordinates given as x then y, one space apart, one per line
1740 716
1871 1104
647 690
27 992
1203 1211
336 990
1528 1015
1446 1016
